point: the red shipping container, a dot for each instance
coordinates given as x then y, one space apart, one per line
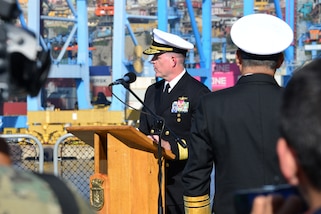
14 108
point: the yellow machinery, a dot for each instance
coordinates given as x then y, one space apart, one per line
48 126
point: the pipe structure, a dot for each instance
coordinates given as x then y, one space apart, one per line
118 57
83 83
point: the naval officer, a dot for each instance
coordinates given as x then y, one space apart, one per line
174 98
237 128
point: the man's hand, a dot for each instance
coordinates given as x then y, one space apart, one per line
165 144
276 204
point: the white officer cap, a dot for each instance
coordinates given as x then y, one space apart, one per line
167 42
261 34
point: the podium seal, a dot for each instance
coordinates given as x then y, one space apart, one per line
97 194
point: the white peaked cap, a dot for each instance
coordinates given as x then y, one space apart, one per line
261 34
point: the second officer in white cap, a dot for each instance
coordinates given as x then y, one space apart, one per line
237 128
174 99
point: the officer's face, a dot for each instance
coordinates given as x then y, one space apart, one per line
163 65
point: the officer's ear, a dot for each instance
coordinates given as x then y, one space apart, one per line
287 161
238 59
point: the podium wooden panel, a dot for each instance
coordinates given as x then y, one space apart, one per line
126 169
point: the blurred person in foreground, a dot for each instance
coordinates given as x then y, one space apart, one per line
30 192
237 128
299 148
176 105
24 68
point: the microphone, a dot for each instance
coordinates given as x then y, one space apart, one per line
128 78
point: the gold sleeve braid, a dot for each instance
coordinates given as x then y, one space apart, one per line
197 204
183 152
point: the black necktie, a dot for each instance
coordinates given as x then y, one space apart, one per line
164 100
167 88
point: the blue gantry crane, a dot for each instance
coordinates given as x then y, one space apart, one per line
167 21
80 70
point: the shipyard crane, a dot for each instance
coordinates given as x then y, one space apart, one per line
166 21
80 69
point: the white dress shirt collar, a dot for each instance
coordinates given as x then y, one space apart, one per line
174 81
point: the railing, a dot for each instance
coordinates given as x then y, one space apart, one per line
26 151
73 160
69 158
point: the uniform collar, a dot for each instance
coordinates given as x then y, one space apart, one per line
175 80
257 78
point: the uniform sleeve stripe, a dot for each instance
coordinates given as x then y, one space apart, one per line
197 205
183 152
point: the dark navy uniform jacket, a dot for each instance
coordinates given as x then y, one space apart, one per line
237 128
177 109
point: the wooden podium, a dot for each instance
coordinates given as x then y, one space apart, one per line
126 169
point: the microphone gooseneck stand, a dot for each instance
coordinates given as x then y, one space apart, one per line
160 126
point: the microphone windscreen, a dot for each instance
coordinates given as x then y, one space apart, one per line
131 77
